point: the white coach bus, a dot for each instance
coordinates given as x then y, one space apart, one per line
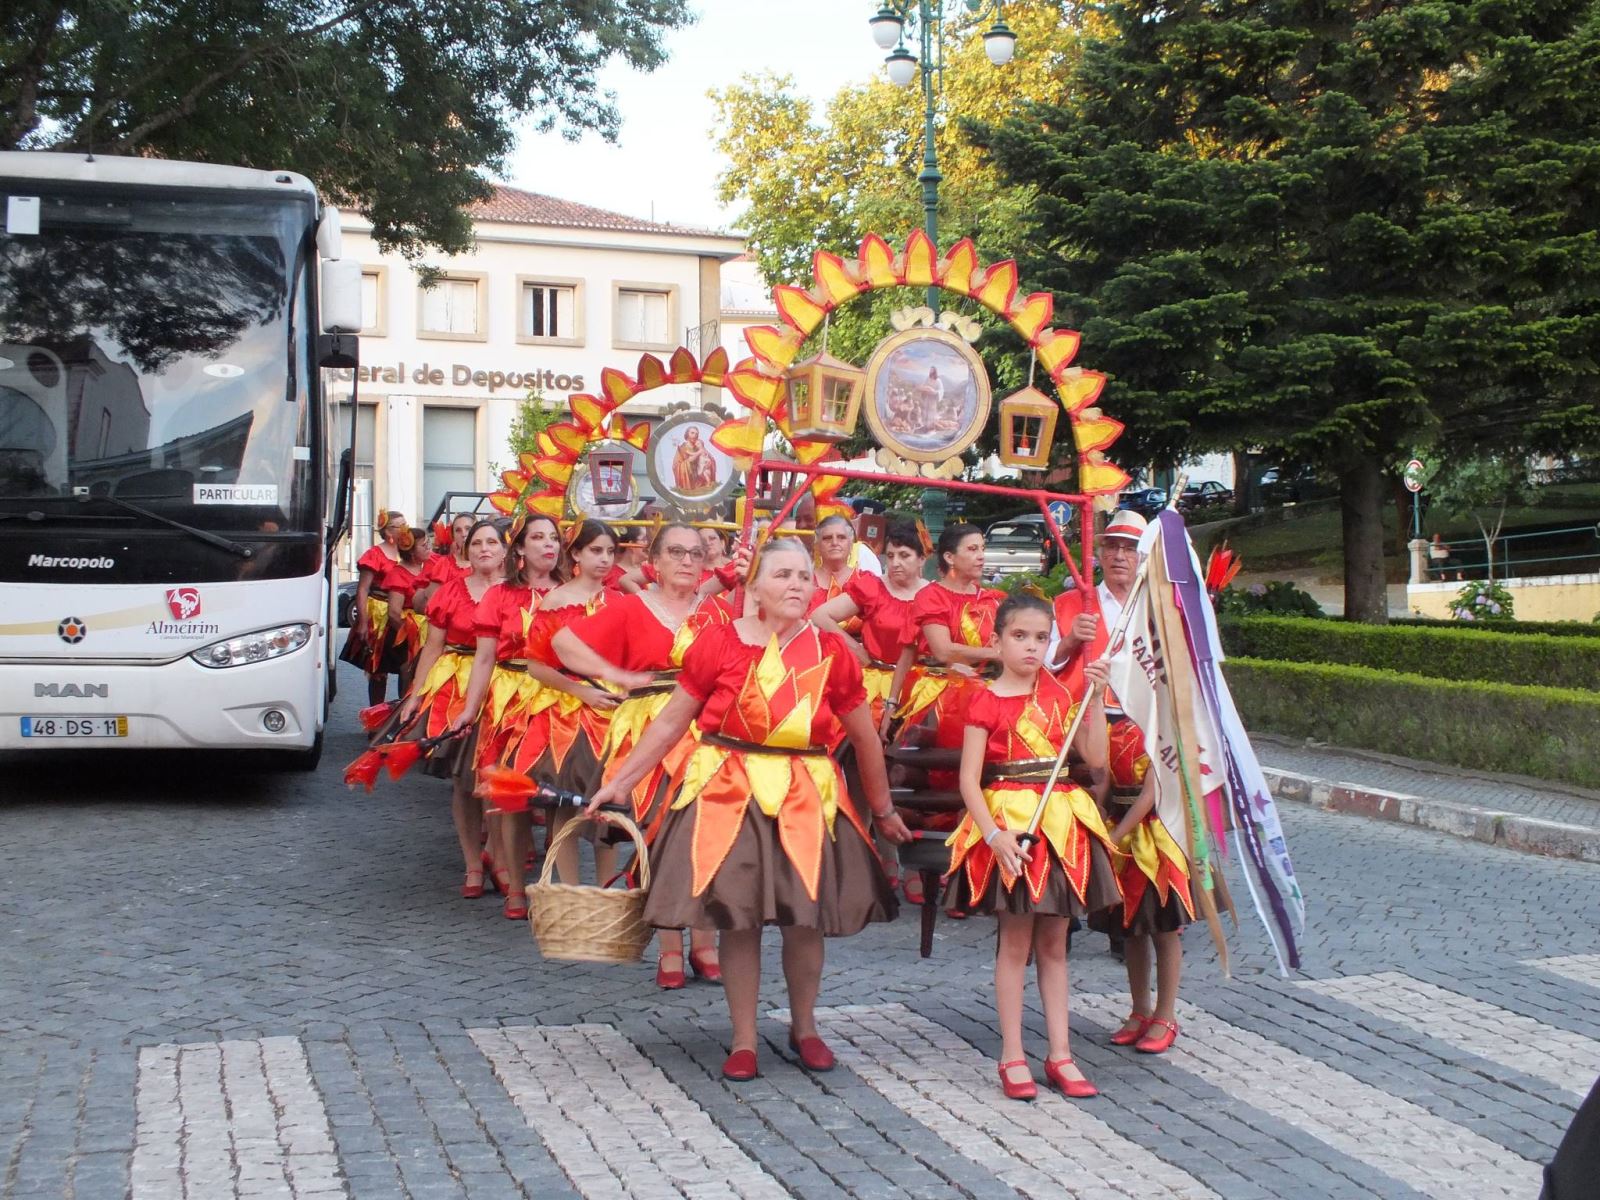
171 481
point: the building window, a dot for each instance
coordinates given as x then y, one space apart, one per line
365 450
449 453
550 311
643 317
453 308
374 307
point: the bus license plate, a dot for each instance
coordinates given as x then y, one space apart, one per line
74 727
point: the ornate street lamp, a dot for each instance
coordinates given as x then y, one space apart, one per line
928 16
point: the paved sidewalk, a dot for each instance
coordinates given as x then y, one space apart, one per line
1525 814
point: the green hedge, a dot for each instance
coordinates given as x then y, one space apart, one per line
1442 653
1552 628
1546 732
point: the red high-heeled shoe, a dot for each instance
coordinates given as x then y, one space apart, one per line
1127 1037
1078 1089
1158 1043
711 972
669 981
470 890
512 910
1026 1090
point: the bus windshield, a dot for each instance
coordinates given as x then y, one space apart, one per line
153 350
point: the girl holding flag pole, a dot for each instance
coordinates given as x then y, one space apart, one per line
1029 851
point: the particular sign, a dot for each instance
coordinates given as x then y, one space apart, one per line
1413 475
236 493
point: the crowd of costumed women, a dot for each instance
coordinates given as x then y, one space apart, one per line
722 701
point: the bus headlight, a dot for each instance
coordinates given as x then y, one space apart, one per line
254 647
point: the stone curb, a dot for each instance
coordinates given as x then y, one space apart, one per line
1490 826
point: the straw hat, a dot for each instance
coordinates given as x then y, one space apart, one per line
1125 523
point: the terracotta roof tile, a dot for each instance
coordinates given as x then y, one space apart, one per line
517 207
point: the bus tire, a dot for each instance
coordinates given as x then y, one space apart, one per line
302 760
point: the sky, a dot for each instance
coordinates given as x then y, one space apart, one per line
664 165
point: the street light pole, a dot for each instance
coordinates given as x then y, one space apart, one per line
888 30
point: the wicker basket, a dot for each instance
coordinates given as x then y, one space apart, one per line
585 923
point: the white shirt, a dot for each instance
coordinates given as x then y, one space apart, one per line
866 560
1110 613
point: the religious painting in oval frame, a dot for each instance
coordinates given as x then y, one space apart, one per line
688 473
927 395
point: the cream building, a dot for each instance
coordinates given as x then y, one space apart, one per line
552 292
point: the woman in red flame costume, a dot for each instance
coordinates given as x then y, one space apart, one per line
369 615
564 722
408 626
883 606
761 830
837 561
1017 727
438 697
636 642
497 682
451 561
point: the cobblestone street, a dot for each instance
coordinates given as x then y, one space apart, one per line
219 982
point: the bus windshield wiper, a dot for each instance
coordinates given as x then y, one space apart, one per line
204 535
40 517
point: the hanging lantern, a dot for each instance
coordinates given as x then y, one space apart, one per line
1027 427
611 474
773 488
824 398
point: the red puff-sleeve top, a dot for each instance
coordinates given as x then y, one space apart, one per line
627 634
442 568
376 561
547 622
502 614
886 624
969 616
399 578
999 717
1069 605
720 661
453 610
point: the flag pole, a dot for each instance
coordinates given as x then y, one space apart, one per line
1031 834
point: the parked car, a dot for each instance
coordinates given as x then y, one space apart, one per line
1018 546
1204 494
1147 502
345 603
1289 485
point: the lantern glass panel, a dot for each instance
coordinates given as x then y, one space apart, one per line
836 395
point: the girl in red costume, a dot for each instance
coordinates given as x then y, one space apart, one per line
761 830
408 627
631 643
497 681
566 718
369 615
439 695
1016 728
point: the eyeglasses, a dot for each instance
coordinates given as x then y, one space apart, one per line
679 553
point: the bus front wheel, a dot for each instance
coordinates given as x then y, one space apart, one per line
302 760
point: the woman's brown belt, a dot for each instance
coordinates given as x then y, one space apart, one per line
457 648
665 681
728 743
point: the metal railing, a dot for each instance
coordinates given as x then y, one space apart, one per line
1508 563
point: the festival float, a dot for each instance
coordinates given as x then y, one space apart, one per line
925 399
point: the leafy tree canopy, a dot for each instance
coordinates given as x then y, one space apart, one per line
1335 230
392 107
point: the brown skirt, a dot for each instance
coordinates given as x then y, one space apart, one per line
757 885
454 759
1057 900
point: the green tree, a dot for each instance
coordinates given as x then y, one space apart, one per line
390 106
1482 487
1332 230
534 415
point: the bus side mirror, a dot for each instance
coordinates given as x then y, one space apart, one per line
330 237
341 296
